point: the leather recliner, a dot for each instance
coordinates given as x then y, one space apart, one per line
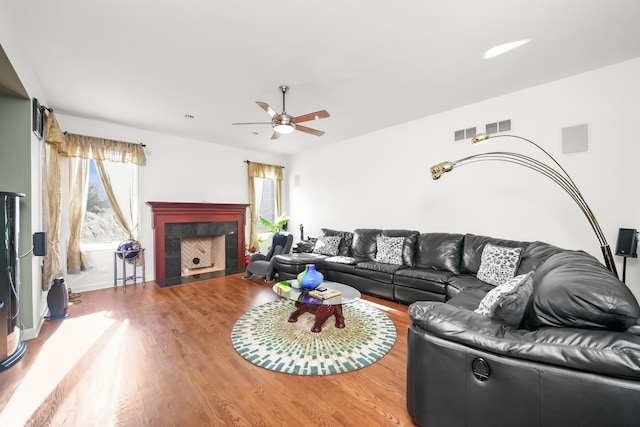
263 265
574 359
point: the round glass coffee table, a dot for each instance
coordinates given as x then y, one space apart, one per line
322 308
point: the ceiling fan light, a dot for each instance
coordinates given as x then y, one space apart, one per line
283 129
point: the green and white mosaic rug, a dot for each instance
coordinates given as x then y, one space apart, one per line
264 337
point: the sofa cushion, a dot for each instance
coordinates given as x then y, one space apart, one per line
389 249
458 284
327 245
433 281
535 254
377 271
422 274
364 243
345 244
439 251
379 266
498 264
409 247
469 299
342 260
513 294
340 263
472 250
336 266
296 262
573 289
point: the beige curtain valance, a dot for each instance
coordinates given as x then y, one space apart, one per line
89 147
264 171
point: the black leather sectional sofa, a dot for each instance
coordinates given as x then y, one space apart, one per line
435 266
570 358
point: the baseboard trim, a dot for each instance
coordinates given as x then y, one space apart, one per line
31 333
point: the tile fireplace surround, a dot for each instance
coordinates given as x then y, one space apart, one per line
173 221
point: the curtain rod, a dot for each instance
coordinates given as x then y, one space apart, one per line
43 107
141 144
248 161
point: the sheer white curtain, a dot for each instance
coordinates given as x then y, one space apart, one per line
78 191
124 196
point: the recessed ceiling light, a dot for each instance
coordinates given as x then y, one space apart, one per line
499 50
189 116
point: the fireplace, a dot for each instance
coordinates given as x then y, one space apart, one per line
190 235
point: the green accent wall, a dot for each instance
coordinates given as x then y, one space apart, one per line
15 176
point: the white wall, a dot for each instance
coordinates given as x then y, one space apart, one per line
382 179
32 299
177 170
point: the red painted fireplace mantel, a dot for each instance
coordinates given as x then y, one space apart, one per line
181 212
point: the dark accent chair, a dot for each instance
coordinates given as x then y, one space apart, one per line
262 265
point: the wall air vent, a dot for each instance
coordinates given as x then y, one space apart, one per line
470 132
504 126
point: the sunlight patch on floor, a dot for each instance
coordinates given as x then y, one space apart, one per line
106 388
58 355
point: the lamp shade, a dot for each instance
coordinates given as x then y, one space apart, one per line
284 128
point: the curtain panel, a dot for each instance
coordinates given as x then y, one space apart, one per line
78 185
258 172
52 200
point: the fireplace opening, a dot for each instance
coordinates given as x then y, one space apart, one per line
212 250
202 255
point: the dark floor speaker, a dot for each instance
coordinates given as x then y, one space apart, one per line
58 299
627 242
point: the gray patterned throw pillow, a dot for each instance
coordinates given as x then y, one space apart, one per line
389 249
327 245
498 264
501 293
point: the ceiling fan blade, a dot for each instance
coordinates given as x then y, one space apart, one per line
275 135
252 123
315 132
322 114
270 111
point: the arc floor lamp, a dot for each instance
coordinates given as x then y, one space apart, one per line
555 172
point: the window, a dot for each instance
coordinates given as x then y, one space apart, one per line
268 208
100 225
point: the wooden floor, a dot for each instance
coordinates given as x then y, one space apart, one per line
163 357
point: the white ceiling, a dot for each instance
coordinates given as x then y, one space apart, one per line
371 64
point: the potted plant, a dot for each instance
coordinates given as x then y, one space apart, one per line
279 224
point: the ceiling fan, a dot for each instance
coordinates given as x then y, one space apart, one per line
284 123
